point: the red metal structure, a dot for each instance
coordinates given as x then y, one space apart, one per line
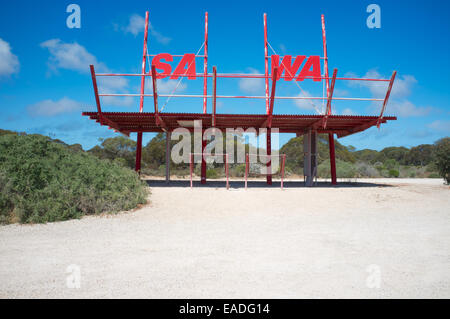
159 121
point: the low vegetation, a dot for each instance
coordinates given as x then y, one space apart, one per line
43 180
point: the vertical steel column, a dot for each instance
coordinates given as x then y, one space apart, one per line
168 136
203 165
269 156
332 159
330 135
97 98
266 63
205 66
310 157
138 152
141 104
205 92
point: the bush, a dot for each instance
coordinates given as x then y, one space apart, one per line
442 158
393 173
44 181
212 173
343 169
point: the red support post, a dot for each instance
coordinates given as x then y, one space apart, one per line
205 66
266 63
97 98
272 96
144 61
328 110
269 155
325 56
138 152
329 99
203 167
332 158
386 99
141 104
155 89
214 96
205 92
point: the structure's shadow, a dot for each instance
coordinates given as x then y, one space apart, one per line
258 184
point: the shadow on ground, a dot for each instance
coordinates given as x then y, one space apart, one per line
258 184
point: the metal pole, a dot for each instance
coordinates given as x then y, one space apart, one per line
269 155
203 165
328 111
168 135
97 98
138 152
214 96
332 159
141 104
325 55
144 62
205 66
266 63
205 92
386 99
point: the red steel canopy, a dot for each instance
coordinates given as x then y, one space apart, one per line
342 125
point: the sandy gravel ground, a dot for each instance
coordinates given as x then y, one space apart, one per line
378 238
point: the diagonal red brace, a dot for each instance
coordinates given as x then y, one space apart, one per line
386 99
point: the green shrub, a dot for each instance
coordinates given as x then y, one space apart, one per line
442 158
212 173
47 181
343 169
393 173
434 175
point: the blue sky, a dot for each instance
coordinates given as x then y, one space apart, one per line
44 65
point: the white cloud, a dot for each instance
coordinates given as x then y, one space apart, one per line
71 56
52 108
136 25
9 63
405 108
165 86
402 84
398 103
252 86
440 125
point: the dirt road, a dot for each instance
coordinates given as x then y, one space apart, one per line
380 238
